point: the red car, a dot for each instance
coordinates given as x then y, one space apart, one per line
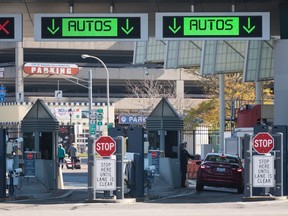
220 170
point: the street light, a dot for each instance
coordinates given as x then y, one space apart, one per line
84 56
91 193
70 111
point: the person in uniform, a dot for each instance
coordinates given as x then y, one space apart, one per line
184 157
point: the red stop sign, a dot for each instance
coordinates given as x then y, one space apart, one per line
154 154
105 146
263 143
29 156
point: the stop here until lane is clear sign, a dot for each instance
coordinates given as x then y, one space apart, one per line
263 171
105 174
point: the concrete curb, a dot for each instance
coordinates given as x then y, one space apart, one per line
42 196
59 197
263 198
122 201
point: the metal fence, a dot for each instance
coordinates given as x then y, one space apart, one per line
200 136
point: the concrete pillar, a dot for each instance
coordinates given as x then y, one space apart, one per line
179 89
280 82
258 92
222 112
162 132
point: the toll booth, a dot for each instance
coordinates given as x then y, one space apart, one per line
165 127
40 138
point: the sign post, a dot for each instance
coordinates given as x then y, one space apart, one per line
65 27
213 26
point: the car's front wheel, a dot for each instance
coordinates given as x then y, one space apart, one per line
199 186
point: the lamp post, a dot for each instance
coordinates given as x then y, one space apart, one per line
70 111
84 56
91 192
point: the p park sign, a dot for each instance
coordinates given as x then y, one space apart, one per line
116 27
213 26
10 27
263 143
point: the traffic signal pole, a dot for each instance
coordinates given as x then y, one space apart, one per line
91 192
91 187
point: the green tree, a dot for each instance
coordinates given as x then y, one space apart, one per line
236 91
198 115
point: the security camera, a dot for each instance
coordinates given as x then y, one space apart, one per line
17 170
19 140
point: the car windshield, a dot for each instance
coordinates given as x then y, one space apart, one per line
222 159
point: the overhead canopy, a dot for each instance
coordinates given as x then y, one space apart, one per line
39 118
259 61
253 58
164 117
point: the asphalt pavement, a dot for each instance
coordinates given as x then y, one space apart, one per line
72 200
75 191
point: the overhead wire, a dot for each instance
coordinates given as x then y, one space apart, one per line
28 11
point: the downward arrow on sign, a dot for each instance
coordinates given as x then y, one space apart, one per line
174 29
53 30
249 29
127 30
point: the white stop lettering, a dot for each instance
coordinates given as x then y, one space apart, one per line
263 143
105 146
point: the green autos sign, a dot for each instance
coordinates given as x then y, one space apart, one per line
213 26
55 27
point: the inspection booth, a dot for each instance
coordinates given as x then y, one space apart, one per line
165 127
40 137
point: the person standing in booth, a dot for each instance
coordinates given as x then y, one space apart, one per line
184 157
